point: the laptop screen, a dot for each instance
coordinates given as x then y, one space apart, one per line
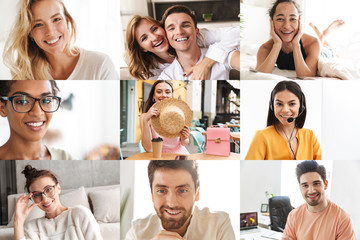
248 220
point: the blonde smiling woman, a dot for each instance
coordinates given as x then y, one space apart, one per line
40 46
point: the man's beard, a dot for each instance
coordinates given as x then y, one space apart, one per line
170 223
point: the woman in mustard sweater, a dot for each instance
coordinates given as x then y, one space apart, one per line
284 138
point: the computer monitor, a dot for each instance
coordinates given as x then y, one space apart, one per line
248 220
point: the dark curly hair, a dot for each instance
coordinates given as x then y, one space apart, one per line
310 166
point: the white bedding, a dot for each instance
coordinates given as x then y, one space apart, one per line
339 68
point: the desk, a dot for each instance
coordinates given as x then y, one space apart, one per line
171 156
258 236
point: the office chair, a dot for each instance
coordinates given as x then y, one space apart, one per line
279 208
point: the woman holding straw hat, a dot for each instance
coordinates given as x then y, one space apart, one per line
172 126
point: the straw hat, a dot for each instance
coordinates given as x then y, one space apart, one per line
174 115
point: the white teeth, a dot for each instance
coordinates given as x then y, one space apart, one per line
35 124
173 213
159 43
47 205
181 39
53 41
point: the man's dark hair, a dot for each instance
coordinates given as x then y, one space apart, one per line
188 165
178 9
310 166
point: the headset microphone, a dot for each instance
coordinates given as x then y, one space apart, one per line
291 119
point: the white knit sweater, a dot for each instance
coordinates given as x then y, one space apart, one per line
75 223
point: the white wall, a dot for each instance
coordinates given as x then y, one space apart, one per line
345 190
340 121
257 177
255 96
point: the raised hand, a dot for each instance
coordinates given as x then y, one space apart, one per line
185 133
274 36
151 112
297 37
22 210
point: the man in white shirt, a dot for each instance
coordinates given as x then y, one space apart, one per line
174 190
181 30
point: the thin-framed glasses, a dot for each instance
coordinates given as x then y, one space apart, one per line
25 103
48 192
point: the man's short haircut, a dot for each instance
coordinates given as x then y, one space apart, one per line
188 165
178 9
310 166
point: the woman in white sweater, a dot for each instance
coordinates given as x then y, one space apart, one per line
59 222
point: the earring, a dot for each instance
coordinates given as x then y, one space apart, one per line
153 99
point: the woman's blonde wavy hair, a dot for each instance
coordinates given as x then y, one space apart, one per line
22 56
139 62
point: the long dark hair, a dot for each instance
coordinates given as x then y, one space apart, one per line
150 100
272 10
295 89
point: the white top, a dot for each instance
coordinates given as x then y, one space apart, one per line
94 66
58 154
74 223
219 41
204 225
219 71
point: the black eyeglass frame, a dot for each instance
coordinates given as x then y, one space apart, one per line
43 193
36 99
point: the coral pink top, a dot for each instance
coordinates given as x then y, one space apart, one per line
170 145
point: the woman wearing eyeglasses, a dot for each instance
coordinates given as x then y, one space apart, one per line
29 106
59 222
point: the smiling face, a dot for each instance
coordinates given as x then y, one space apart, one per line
174 195
151 37
49 205
181 32
33 125
313 188
50 30
286 105
162 91
286 22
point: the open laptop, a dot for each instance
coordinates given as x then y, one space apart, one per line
249 223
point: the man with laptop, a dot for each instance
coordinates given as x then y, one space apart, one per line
175 187
318 218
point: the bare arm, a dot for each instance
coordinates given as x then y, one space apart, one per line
145 128
308 67
267 56
235 60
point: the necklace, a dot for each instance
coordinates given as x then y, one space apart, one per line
289 140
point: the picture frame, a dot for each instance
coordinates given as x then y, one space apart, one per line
264 207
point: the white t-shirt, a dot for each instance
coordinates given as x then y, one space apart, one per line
94 66
204 225
74 223
219 71
219 41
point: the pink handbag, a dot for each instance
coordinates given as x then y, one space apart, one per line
217 141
